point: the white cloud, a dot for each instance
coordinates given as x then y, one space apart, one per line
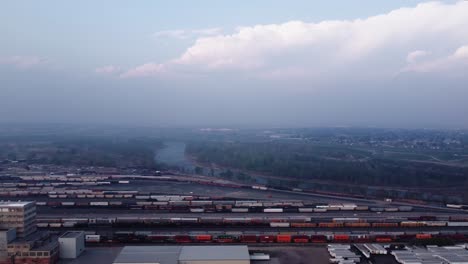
376 46
107 70
23 62
461 53
187 33
148 69
415 55
454 61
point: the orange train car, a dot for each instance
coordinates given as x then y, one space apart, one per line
283 238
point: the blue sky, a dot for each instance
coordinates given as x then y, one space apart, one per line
227 63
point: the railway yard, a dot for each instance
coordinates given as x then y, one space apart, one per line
183 209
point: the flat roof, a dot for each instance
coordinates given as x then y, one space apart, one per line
214 253
14 204
149 255
72 234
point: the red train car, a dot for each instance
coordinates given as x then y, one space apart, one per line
267 238
248 239
300 239
203 238
283 238
318 239
341 238
182 239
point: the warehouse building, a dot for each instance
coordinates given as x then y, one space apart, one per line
72 244
184 255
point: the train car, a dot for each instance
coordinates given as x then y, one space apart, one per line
412 224
101 203
461 224
283 238
406 237
318 239
330 225
405 208
248 238
300 239
436 223
158 238
357 224
384 224
341 238
267 238
203 238
92 238
273 210
305 210
303 225
279 224
383 238
182 239
226 238
423 236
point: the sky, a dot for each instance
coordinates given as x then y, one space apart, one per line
235 63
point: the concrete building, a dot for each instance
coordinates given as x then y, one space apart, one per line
184 255
72 244
6 236
40 248
20 242
19 215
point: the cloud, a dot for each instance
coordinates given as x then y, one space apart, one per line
108 70
457 60
186 34
148 69
23 62
415 55
374 47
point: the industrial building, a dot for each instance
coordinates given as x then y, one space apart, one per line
432 254
18 215
72 244
183 255
20 242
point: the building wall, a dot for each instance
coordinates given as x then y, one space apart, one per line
71 247
23 218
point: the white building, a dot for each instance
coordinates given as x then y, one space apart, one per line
72 244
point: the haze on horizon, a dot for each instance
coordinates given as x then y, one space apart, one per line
211 63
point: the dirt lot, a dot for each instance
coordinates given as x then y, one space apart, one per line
295 255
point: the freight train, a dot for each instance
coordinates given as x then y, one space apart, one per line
197 205
275 222
271 237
